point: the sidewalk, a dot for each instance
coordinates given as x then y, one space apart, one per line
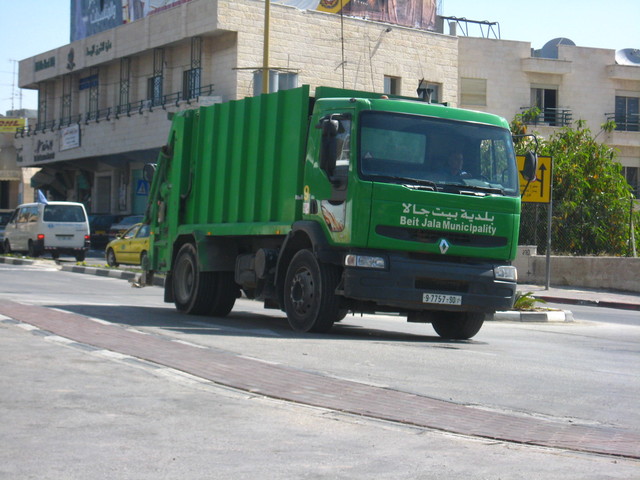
584 296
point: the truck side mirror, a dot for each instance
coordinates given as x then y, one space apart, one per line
148 171
530 166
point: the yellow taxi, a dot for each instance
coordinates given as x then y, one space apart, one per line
129 248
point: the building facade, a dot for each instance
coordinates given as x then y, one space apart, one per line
570 83
105 100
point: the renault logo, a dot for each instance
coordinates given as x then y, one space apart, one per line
444 246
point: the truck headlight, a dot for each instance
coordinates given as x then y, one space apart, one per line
365 261
505 272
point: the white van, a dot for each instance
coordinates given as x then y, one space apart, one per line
55 227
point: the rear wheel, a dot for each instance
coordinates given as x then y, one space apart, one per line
32 250
224 294
55 255
309 296
80 256
111 258
192 288
7 246
458 325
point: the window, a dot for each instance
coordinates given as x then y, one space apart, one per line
473 91
626 116
632 174
154 90
412 149
278 80
191 83
391 85
546 99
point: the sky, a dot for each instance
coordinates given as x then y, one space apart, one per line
30 27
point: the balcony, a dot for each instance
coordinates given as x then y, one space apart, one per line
629 122
552 117
546 65
116 112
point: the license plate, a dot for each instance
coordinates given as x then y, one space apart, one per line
440 299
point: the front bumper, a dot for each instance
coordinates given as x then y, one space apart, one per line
402 285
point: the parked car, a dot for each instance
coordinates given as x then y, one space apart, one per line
5 215
123 225
55 227
99 226
130 248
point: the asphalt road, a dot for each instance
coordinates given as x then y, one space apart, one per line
581 373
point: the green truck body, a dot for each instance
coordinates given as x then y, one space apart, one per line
341 202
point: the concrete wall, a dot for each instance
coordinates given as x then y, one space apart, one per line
610 273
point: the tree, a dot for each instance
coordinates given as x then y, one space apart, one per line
591 197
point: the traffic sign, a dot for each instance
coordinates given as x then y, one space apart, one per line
539 190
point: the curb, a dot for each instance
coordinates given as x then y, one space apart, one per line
589 303
551 316
112 273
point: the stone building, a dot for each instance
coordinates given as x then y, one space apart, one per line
104 99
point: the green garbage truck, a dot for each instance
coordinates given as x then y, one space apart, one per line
340 202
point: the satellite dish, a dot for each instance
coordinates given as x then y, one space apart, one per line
550 49
628 56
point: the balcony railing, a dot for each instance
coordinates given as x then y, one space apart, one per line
554 117
115 113
629 122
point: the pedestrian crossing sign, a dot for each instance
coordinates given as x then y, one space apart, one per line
142 188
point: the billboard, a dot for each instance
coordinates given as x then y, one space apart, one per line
89 17
409 13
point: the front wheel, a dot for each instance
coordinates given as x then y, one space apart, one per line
309 293
458 325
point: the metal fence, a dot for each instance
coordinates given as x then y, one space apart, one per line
576 233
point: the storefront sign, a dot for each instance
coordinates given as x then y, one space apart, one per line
70 137
11 125
46 63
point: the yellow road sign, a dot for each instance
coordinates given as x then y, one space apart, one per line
538 191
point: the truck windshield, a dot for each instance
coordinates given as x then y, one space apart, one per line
435 153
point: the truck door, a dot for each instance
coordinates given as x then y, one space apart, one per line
331 200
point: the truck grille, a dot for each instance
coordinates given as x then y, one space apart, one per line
433 236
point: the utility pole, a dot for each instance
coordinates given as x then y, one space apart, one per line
265 52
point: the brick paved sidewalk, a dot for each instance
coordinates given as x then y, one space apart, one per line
294 385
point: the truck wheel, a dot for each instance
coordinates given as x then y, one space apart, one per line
7 246
224 294
192 288
80 256
309 298
458 325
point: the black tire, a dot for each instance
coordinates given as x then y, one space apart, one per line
32 251
7 246
458 325
144 260
309 293
111 258
192 289
224 294
80 256
55 255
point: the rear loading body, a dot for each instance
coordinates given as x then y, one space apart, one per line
343 202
